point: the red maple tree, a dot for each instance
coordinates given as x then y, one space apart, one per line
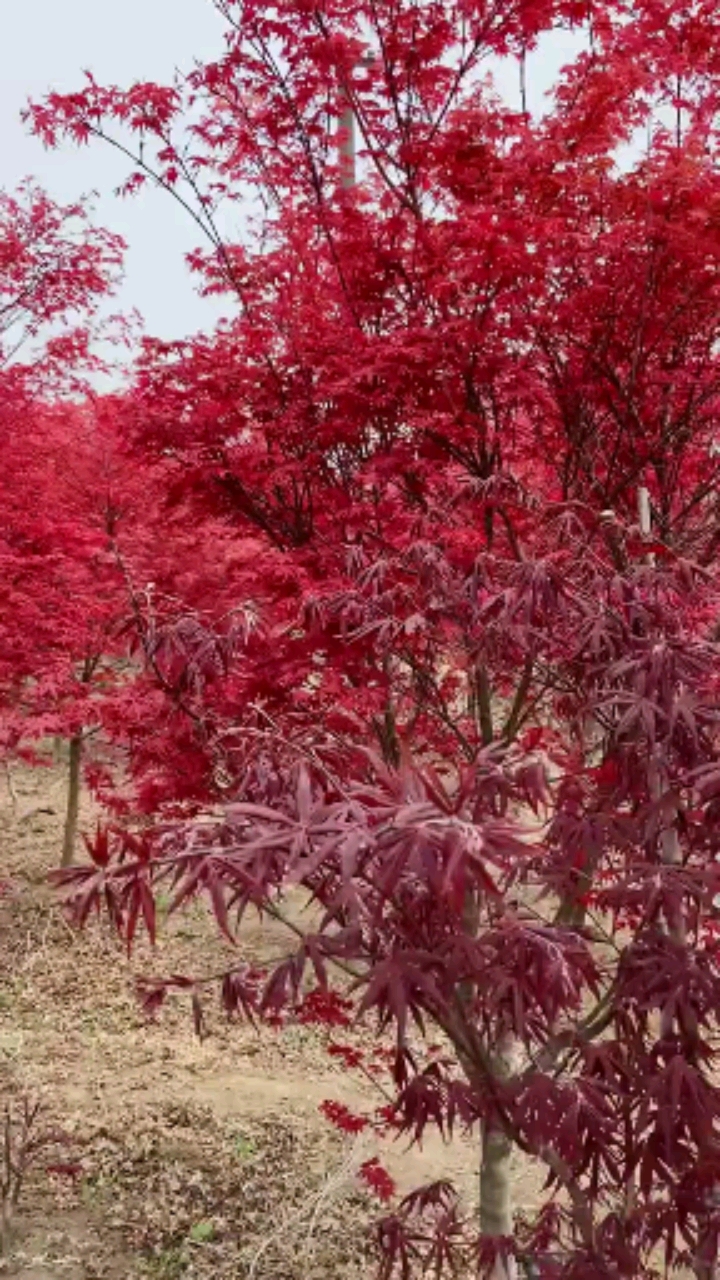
462 427
56 271
83 537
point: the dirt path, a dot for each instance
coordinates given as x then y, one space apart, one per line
191 1159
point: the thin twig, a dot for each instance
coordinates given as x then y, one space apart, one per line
312 1204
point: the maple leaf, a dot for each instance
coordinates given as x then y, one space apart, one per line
431 526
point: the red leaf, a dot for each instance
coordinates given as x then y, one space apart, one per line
377 1179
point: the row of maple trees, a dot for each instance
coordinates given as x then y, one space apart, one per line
401 586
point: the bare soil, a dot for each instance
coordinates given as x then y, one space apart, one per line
182 1158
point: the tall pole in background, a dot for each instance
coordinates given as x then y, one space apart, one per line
348 175
348 127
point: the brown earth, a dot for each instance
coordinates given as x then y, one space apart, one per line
182 1158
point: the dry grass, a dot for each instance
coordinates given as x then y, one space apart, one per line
193 1159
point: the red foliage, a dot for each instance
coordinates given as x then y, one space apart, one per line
378 1179
56 578
342 1118
436 635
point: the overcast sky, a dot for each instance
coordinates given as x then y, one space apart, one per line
49 43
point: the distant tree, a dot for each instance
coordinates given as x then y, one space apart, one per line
56 270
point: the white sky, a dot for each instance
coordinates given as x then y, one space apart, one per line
47 44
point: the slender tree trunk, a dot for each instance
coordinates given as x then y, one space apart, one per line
495 1207
707 1270
496 1204
706 1266
496 1211
495 1197
73 800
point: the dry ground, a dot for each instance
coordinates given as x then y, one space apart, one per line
186 1159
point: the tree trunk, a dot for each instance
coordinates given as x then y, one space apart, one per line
496 1217
496 1207
706 1270
73 800
706 1262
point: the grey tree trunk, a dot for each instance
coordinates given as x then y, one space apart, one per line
73 800
496 1204
496 1212
706 1266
